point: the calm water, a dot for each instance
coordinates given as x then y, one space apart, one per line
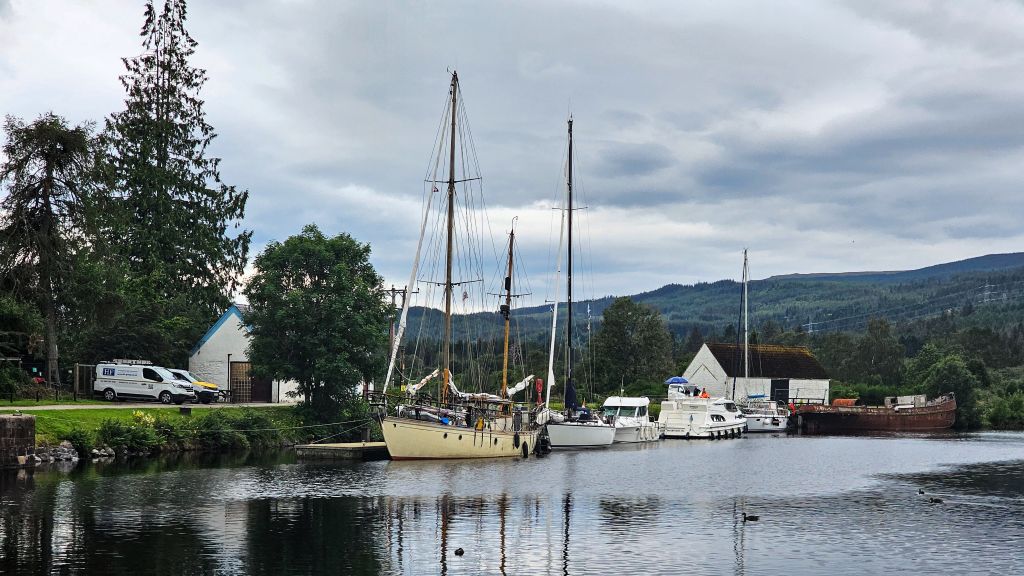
841 505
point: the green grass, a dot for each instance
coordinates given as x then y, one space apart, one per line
52 426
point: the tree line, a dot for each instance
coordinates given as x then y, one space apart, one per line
120 240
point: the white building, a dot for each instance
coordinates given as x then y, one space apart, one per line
221 356
787 373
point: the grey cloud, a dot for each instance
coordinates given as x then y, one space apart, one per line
836 121
630 160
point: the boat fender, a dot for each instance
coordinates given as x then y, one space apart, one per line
515 440
480 423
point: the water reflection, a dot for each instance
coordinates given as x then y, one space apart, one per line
673 508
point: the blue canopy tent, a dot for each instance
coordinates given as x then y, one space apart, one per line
677 380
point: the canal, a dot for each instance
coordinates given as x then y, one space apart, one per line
835 505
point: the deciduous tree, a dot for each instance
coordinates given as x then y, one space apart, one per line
633 346
318 317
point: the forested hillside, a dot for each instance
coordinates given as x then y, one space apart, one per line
956 327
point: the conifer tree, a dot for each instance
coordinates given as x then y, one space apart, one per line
174 224
43 217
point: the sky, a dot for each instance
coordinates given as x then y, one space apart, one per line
824 136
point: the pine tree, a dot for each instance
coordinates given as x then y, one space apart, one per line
43 217
175 225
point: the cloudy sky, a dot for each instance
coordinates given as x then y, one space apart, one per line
824 136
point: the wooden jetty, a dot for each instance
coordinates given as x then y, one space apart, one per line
343 451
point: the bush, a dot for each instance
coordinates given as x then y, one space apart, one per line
132 436
174 432
257 427
1006 413
12 379
214 431
82 440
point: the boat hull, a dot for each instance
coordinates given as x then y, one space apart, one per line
650 432
823 419
766 423
577 435
699 418
409 439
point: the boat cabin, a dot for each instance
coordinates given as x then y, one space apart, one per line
619 406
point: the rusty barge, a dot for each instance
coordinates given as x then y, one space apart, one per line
900 414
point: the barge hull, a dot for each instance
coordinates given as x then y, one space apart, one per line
820 419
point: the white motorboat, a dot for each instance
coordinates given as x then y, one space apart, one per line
576 427
630 417
764 415
688 414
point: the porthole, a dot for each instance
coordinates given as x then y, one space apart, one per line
445 434
460 436
495 440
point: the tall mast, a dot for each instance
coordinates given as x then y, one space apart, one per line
506 312
568 279
746 332
446 354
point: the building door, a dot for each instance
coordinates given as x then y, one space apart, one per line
260 389
241 384
780 391
247 388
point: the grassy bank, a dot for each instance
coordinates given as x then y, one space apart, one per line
165 429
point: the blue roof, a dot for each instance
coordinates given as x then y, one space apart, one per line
231 311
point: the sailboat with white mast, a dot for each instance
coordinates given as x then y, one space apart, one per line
575 427
763 414
456 424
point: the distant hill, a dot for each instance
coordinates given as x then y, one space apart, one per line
812 302
987 263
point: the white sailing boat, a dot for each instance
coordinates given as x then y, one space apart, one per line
456 424
763 414
576 426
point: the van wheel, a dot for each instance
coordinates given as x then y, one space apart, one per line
165 397
109 395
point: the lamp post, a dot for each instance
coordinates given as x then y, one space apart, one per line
228 380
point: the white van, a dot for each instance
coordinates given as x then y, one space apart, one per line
140 382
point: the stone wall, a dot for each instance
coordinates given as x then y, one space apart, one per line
17 439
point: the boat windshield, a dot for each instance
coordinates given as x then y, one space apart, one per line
619 411
730 407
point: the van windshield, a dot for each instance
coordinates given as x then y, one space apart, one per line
179 376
